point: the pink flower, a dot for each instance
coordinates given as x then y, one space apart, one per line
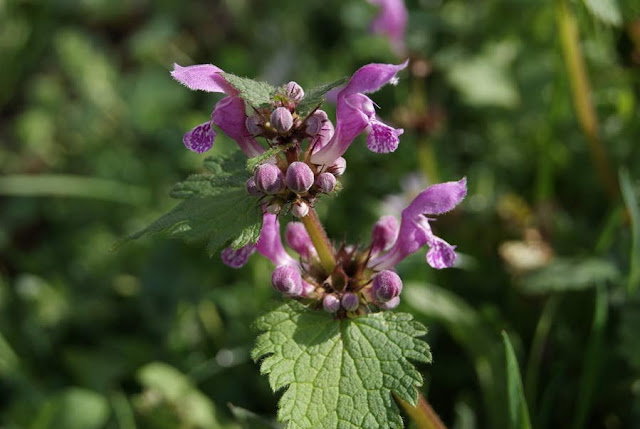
391 22
228 114
356 113
415 230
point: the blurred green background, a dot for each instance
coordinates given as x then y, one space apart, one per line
157 335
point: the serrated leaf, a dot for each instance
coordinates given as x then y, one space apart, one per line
566 274
252 163
253 92
217 208
518 411
606 11
315 97
340 373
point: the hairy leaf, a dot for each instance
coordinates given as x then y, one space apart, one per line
253 92
315 96
217 208
340 373
252 163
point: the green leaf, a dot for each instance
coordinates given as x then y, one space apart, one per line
75 408
606 11
340 373
633 207
518 411
315 97
566 274
193 408
252 163
253 92
216 209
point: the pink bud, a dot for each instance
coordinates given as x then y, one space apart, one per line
287 279
298 239
252 188
294 92
281 120
254 125
325 182
268 178
299 177
331 303
314 122
384 234
338 167
350 301
391 304
386 286
300 209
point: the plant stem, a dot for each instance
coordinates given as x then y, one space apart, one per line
320 240
581 92
422 414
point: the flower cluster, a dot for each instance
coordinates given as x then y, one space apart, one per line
346 279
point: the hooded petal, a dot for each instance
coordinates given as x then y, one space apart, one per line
202 77
236 258
200 139
437 199
270 244
391 22
355 112
382 138
229 114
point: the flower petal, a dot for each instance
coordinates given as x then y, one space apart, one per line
236 258
372 77
270 244
441 254
383 138
229 114
391 22
200 139
437 199
202 77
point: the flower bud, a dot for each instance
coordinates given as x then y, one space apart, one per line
386 286
274 208
350 301
294 92
298 239
338 167
300 209
391 304
236 258
307 289
287 279
331 303
254 125
314 122
299 177
268 178
252 188
325 182
384 234
281 120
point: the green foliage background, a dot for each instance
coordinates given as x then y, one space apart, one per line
158 335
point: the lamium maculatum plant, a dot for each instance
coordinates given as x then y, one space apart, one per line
333 345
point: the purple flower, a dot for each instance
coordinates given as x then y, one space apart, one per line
391 22
298 239
356 113
228 114
237 258
415 230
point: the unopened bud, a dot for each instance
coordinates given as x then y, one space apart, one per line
338 167
331 303
386 286
274 208
300 209
299 177
350 301
298 239
281 120
293 91
252 188
314 122
268 178
384 234
236 258
253 124
325 182
390 305
287 279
